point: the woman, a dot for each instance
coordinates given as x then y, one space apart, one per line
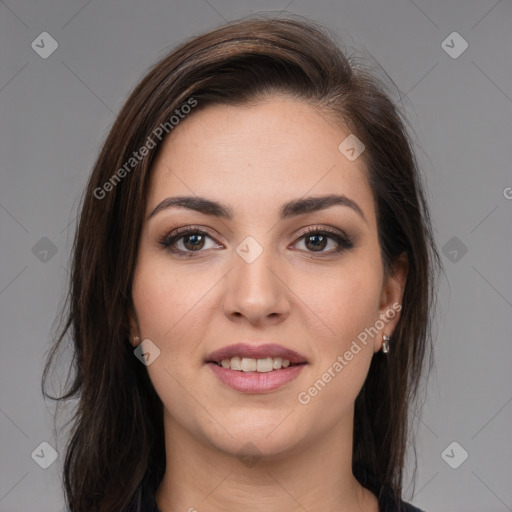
252 286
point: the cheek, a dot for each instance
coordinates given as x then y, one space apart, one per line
155 302
347 303
170 313
344 301
166 300
343 358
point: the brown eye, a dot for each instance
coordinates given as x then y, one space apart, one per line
185 242
316 241
193 242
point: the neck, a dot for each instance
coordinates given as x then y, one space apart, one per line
316 476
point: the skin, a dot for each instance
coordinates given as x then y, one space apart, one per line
254 158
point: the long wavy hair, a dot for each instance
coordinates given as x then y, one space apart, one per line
116 445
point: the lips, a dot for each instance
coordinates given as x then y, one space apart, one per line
255 352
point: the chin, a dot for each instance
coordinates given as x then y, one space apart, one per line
258 438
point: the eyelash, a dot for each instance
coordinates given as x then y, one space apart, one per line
168 240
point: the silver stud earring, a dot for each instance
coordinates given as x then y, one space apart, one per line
136 340
385 343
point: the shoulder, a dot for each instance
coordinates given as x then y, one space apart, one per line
407 507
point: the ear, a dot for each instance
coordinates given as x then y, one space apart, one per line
134 327
391 299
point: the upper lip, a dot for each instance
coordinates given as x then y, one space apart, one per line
255 352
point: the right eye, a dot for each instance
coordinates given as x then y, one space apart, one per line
191 240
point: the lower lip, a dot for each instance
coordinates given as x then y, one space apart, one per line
256 382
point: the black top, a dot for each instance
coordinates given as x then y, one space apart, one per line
385 498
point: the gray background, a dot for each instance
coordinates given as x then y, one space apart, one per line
55 112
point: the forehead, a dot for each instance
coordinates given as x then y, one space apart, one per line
258 156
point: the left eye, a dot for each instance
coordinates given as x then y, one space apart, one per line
318 240
194 240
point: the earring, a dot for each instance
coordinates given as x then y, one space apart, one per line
136 340
385 343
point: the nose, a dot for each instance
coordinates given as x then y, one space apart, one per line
256 290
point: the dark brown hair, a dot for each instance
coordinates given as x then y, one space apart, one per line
116 445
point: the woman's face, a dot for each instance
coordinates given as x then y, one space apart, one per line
255 278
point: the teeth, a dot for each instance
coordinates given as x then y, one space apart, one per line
248 364
264 365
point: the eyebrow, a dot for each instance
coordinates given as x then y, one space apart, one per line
290 209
